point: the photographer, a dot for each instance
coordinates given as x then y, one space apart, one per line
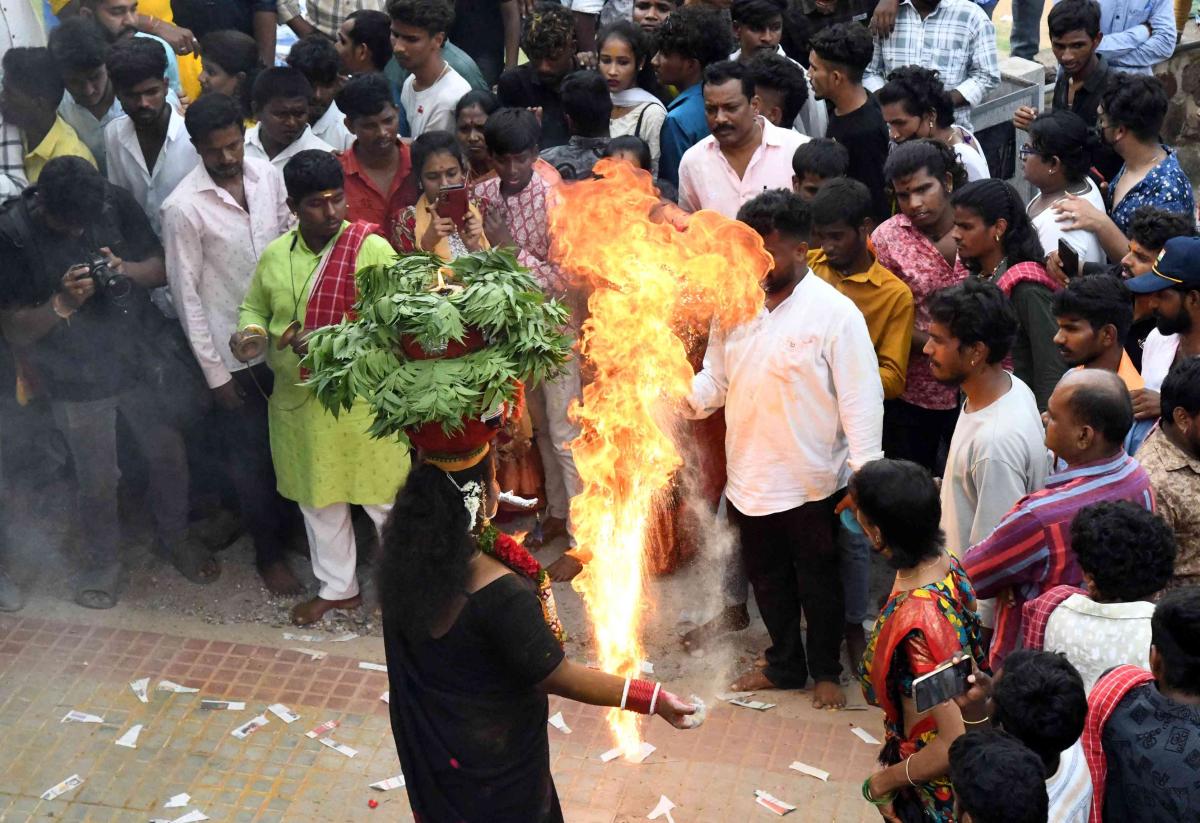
77 256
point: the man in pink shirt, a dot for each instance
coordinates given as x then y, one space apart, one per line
743 156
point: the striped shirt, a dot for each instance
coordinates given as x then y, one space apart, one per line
957 40
1030 551
1070 788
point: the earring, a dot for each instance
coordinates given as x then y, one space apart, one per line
997 238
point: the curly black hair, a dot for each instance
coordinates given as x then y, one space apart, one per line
1136 102
1040 699
696 32
1127 551
779 74
1100 300
777 210
434 16
134 61
548 31
848 45
935 157
317 58
976 311
997 779
78 44
920 91
994 200
1181 389
1151 228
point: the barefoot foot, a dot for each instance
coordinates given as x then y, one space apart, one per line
731 619
754 681
564 569
279 579
310 611
828 695
552 529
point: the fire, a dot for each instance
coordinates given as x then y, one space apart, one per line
648 281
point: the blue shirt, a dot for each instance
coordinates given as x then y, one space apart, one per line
1164 187
1128 45
684 127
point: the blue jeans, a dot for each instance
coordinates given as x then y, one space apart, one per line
854 552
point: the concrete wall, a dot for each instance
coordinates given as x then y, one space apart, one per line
1181 77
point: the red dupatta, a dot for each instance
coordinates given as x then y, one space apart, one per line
1105 696
334 292
1035 615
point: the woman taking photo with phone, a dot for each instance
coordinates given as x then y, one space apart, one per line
929 616
443 220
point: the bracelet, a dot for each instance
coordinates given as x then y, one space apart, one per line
640 696
908 777
56 306
876 801
977 722
625 693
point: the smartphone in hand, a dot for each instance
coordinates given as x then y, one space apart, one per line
1068 255
946 682
453 204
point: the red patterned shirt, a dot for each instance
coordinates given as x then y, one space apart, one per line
526 214
902 249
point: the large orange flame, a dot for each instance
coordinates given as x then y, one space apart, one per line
648 281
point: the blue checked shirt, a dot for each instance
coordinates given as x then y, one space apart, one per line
1128 44
957 40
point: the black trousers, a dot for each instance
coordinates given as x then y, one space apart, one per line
791 560
918 434
246 446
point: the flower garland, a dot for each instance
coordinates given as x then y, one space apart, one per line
508 551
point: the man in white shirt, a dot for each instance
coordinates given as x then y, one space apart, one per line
433 89
317 60
803 409
215 225
280 99
1040 700
997 454
80 49
148 149
743 156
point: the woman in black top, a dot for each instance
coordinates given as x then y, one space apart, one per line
471 659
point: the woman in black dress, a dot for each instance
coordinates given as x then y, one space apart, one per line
471 658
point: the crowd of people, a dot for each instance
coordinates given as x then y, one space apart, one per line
998 396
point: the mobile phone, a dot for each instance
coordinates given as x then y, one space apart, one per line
945 682
452 203
1068 255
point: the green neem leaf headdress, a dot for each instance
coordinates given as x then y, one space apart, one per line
399 354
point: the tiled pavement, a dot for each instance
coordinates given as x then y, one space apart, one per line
49 667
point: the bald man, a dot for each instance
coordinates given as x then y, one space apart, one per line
1087 419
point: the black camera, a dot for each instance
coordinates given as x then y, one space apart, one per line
108 282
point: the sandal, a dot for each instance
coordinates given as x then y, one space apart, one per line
97 588
191 559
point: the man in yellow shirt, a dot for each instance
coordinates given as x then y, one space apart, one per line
33 89
842 226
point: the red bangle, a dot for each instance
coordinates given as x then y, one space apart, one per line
642 694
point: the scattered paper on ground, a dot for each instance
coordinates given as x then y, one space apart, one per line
727 696
864 735
773 803
139 688
386 697
194 816
557 722
374 667
811 771
312 653
327 726
647 667
227 705
663 809
178 801
172 686
250 727
303 638
757 705
396 782
344 637
283 713
72 782
644 751
81 717
129 739
338 747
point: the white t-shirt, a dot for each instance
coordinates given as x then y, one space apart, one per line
997 456
1097 636
433 108
1070 788
1158 354
1049 230
971 156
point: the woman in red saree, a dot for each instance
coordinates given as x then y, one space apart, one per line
930 615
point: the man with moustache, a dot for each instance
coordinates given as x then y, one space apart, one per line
148 149
548 40
996 454
800 385
215 225
119 19
743 156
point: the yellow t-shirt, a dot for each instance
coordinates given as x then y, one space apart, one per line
189 64
60 141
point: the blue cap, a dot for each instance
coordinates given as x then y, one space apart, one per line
1178 264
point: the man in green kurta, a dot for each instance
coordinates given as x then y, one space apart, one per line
305 280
